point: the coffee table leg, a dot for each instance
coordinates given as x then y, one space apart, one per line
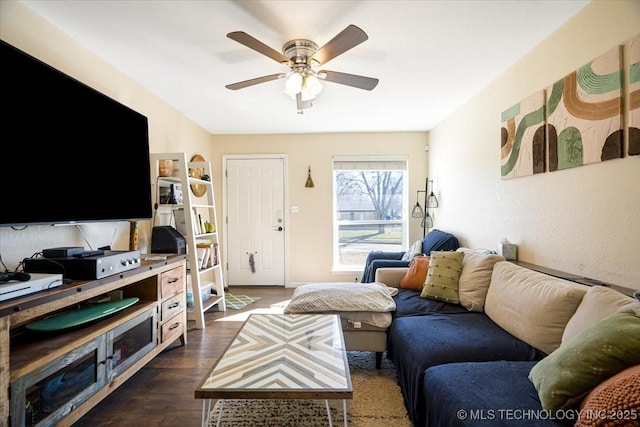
220 413
344 411
326 404
206 409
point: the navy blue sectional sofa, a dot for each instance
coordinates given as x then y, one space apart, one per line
458 367
427 334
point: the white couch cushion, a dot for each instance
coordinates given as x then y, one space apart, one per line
532 306
475 277
598 303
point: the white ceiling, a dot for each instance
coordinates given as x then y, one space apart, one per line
430 56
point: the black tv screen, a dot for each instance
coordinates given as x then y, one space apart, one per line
69 153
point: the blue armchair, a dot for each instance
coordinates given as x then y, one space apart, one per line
436 240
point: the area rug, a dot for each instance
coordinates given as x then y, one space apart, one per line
236 302
376 402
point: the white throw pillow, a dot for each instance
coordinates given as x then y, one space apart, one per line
475 277
414 250
532 306
598 303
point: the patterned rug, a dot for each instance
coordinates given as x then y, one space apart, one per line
236 302
376 402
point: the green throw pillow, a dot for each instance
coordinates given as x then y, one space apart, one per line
443 276
602 350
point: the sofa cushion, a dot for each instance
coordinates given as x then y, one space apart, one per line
443 276
530 305
602 350
416 273
483 394
614 402
598 303
416 343
475 277
409 303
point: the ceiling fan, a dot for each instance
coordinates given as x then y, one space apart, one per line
302 56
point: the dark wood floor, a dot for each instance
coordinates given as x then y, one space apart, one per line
161 393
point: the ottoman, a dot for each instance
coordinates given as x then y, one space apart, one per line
364 310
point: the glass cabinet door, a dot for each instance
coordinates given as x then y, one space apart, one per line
130 341
53 391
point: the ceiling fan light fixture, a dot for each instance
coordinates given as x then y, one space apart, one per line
313 85
303 82
294 83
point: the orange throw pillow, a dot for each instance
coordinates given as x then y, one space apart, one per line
615 402
417 273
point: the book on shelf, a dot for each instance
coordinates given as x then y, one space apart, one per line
203 229
209 256
206 258
201 252
198 223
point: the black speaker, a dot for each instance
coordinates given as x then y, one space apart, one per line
167 240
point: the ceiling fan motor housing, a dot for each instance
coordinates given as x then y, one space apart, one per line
300 51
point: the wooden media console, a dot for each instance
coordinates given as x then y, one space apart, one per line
56 378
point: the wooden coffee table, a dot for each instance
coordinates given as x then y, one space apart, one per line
281 356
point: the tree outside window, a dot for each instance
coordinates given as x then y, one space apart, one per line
369 209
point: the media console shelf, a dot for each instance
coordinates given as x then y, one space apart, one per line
95 359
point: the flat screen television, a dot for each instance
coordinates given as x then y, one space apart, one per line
69 153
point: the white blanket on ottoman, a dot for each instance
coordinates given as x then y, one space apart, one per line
346 298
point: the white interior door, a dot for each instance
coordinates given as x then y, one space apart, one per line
255 232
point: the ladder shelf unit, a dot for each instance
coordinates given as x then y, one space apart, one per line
190 209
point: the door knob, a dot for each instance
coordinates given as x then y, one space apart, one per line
279 229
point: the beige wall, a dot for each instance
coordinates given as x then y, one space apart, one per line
309 232
584 220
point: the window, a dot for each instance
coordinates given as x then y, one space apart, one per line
369 208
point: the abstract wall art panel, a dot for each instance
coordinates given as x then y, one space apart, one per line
584 114
523 138
634 96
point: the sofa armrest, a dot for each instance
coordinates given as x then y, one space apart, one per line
377 259
391 276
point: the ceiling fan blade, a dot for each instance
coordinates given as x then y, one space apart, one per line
361 82
255 44
257 80
349 38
